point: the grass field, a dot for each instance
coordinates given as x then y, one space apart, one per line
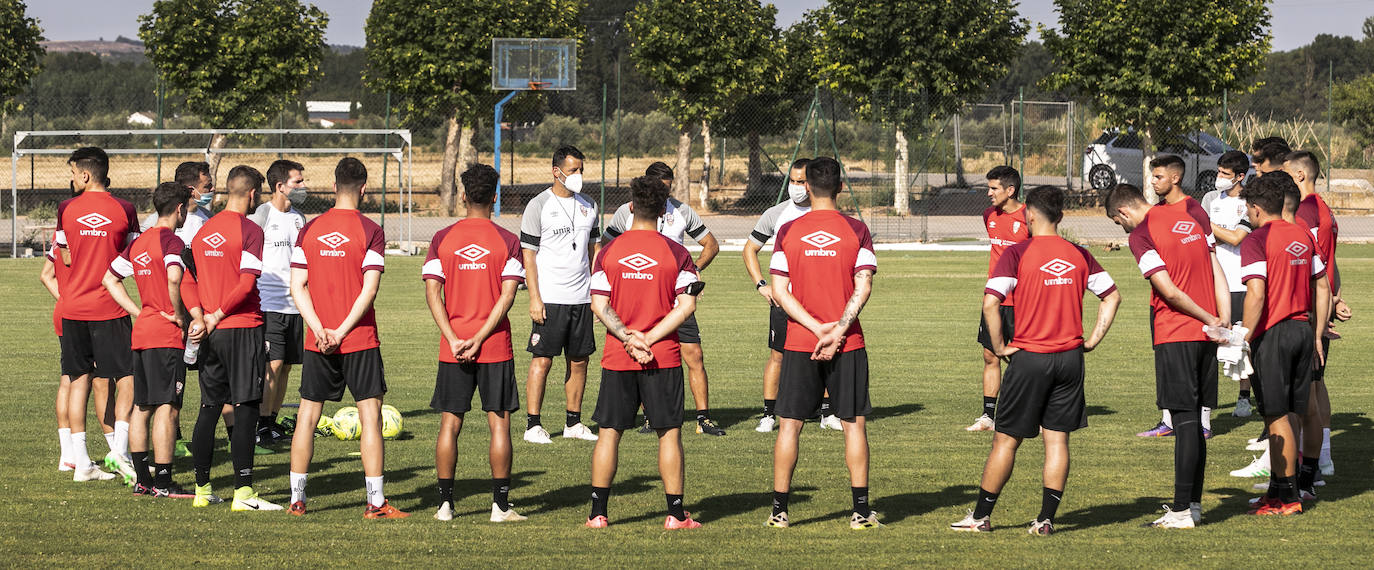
925 369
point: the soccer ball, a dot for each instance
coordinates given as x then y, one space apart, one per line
346 424
391 421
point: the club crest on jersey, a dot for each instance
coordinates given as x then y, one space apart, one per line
638 262
822 240
583 210
93 223
333 240
214 240
472 252
1058 267
1298 250
1016 226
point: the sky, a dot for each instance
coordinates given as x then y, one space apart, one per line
1295 22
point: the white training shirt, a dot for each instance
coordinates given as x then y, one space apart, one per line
1228 212
559 231
279 231
678 220
774 218
187 231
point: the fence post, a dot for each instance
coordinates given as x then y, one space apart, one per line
160 127
1068 149
1225 113
601 217
386 142
1021 136
1330 84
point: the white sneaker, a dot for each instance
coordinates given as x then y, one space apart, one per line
508 515
537 434
445 512
971 524
1171 519
1327 467
831 422
1260 487
124 466
1257 445
1243 408
983 423
766 424
579 431
91 473
1257 468
1195 510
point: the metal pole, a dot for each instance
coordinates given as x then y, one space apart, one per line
386 142
601 213
14 199
1021 136
618 113
159 126
1330 83
1225 113
1068 149
496 132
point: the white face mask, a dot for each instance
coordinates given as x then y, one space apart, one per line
797 193
573 183
1225 184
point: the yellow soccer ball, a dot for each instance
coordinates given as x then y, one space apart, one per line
346 424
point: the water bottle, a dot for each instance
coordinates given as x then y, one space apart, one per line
1218 334
192 353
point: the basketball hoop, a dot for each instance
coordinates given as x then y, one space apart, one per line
539 85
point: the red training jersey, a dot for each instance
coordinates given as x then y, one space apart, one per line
147 260
1173 239
1315 216
1049 275
820 252
472 259
1286 258
1005 229
337 248
227 247
60 271
93 227
643 272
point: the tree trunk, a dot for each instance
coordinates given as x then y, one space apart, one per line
681 183
958 154
1146 155
217 142
467 156
755 166
899 181
448 169
706 166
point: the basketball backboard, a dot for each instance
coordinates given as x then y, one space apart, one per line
533 63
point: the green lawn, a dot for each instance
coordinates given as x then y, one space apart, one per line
920 326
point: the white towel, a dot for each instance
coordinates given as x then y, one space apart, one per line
1233 352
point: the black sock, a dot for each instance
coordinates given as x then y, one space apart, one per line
1281 488
445 491
768 406
141 468
600 495
500 493
1049 503
703 415
986 501
1188 449
574 418
1244 395
178 436
229 432
675 507
163 478
203 443
825 406
272 419
990 406
242 443
1307 473
860 495
531 420
780 500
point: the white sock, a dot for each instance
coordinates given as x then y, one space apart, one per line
1167 418
297 487
80 456
110 442
1326 446
64 437
1207 418
121 438
374 491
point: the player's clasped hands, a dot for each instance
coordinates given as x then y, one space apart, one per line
465 349
637 346
329 341
831 340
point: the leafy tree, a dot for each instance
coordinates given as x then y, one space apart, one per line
1353 104
912 61
704 55
20 54
438 54
1158 65
1294 83
237 62
1369 28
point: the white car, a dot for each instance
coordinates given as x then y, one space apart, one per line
1115 158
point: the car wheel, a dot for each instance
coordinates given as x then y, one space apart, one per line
1206 181
1101 177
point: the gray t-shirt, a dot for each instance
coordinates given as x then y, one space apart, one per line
677 220
773 218
559 231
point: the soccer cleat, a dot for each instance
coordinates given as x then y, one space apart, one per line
646 428
778 521
1326 467
91 473
173 491
386 511
709 427
1174 519
1243 408
205 497
64 465
1309 494
183 449
670 523
1258 503
1256 468
860 522
272 435
1206 433
1042 528
831 422
298 508
971 524
1276 507
983 423
445 512
537 434
1161 430
1319 482
246 499
508 515
766 424
122 466
1257 445
142 491
578 431
287 425
1195 511
260 450
598 521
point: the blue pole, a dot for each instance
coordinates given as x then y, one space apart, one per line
496 130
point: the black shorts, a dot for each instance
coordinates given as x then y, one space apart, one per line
1237 306
285 337
1186 375
494 382
1042 389
689 332
159 376
1282 357
98 348
777 328
567 329
622 393
232 365
804 382
1008 326
324 376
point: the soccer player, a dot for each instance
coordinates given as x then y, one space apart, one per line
1226 210
644 287
1172 246
154 261
1285 282
822 266
471 274
1043 384
1005 221
92 228
196 177
52 275
677 220
336 268
220 290
560 233
280 222
1267 154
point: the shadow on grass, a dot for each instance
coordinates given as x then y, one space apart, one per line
570 496
895 508
1108 514
428 495
1099 411
743 418
350 481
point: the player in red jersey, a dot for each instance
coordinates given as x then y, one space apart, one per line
52 274
154 261
822 267
1005 221
336 268
92 228
1188 291
643 287
1285 283
471 273
220 291
1043 385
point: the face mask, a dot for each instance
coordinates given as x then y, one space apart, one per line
1225 184
797 193
573 183
297 195
205 199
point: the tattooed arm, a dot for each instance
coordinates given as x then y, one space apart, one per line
832 336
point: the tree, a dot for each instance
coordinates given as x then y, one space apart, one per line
1369 28
438 55
1158 65
912 61
704 55
237 62
1294 83
20 54
1353 104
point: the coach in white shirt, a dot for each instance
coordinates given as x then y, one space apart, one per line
280 222
196 176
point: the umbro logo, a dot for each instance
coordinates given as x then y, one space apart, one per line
820 238
1296 249
472 252
1058 267
214 240
333 239
638 262
93 220
143 259
1184 227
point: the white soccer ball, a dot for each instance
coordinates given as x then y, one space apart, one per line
391 421
346 424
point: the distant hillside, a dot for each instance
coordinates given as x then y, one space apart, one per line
122 47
